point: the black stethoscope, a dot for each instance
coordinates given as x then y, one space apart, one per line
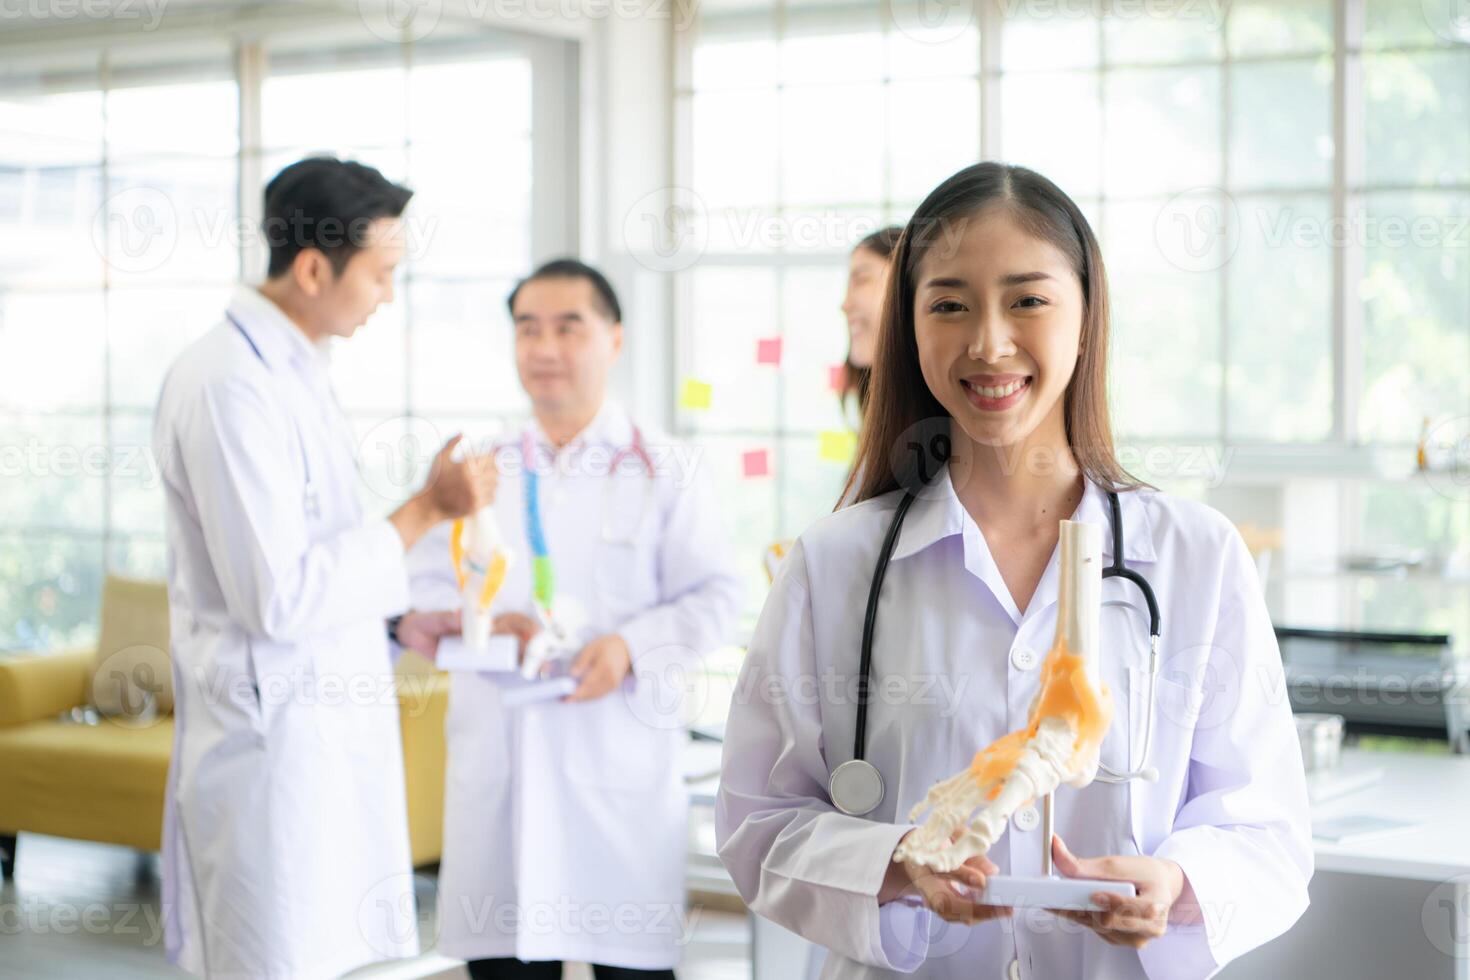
856 786
311 500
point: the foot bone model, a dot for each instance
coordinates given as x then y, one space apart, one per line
1061 740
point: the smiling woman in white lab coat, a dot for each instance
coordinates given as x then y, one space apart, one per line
989 403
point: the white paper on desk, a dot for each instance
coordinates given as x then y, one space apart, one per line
500 655
1355 827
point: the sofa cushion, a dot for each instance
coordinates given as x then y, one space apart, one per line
95 782
132 649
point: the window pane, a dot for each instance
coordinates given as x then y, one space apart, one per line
1162 130
734 140
1165 377
748 506
50 590
148 328
456 228
51 351
369 369
1388 23
1414 121
172 221
815 338
820 54
439 112
914 52
1031 40
830 231
933 131
1280 351
144 121
1281 124
1051 122
463 351
50 232
54 472
1136 34
810 484
137 486
831 153
730 309
746 59
1416 312
362 107
62 129
1263 27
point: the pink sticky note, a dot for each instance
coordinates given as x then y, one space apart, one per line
768 351
837 377
755 463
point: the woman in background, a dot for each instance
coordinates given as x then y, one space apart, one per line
867 278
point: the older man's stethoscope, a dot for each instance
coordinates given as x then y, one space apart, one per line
856 786
635 450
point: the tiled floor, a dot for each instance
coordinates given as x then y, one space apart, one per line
80 910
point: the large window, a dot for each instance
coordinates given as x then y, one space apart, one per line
1281 188
122 233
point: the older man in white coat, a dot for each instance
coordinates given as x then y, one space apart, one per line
285 829
565 822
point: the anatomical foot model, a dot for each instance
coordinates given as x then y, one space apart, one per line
481 560
1059 744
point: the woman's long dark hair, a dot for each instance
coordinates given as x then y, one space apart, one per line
855 380
901 406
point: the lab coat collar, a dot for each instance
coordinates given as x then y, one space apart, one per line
279 340
938 514
610 427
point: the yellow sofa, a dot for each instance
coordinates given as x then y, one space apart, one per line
105 782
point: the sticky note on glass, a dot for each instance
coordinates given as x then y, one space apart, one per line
756 462
696 395
838 446
837 377
768 351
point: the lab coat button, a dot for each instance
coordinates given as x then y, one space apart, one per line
1023 658
1013 972
1026 818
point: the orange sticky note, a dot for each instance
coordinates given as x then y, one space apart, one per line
837 445
696 395
768 351
837 377
756 462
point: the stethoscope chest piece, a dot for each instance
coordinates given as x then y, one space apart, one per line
856 787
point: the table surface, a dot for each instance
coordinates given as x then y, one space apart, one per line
1432 791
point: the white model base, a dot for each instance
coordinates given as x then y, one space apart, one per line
1020 892
499 654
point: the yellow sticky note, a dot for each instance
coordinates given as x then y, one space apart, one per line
838 445
696 395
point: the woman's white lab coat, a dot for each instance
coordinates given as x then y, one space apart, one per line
565 824
285 850
956 665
